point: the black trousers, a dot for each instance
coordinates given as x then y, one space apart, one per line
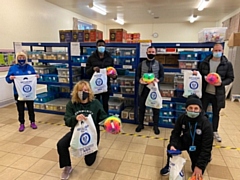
21 107
142 108
105 98
209 98
193 155
64 154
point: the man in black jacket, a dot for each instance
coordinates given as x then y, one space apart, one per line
98 60
215 94
193 133
148 66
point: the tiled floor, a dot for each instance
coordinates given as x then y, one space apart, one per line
32 155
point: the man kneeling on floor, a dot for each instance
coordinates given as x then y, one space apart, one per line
193 133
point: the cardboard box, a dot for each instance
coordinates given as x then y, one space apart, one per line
136 36
117 35
92 35
160 58
129 36
171 59
65 35
77 35
234 40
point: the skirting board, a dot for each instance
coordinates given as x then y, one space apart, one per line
6 102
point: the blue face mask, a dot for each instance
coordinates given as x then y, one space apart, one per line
21 62
217 54
101 49
192 114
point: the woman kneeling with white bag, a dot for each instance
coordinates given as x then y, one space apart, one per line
82 109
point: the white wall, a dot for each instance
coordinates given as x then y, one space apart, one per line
35 21
229 16
168 32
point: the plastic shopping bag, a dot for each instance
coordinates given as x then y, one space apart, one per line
154 99
176 166
84 138
192 84
26 87
98 82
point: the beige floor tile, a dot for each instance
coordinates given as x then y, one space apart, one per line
47 133
75 161
155 161
140 140
52 155
218 171
133 157
109 165
50 178
129 169
232 162
9 159
81 173
229 153
218 160
23 149
10 129
36 141
24 163
115 154
216 151
109 136
30 175
155 142
102 151
56 171
10 174
50 143
106 143
154 150
212 178
2 168
94 166
124 177
235 173
9 147
39 152
42 166
58 135
102 175
2 153
149 172
124 138
140 148
120 145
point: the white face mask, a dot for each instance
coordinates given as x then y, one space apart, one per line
192 114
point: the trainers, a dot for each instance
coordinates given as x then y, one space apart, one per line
139 128
33 125
217 137
156 130
66 172
165 171
21 128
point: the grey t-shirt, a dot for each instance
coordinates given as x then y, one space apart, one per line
213 68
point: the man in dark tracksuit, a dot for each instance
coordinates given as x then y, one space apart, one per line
98 60
193 133
215 94
148 66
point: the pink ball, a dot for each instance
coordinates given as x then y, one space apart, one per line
112 125
213 78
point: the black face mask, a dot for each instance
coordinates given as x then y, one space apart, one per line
83 95
151 56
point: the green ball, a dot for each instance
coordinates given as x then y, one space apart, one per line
148 77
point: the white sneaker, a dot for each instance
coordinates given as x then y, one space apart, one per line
217 137
66 172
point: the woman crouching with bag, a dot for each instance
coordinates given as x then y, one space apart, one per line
78 108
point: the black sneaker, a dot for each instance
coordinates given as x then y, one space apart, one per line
156 130
165 171
139 128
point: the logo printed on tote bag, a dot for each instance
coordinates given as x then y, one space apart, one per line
99 81
27 88
193 85
153 95
85 138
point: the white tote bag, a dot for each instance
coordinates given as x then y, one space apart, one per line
84 138
26 87
98 82
176 166
154 99
192 84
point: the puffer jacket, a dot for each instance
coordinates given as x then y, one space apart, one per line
225 70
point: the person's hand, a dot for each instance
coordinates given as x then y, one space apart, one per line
142 82
11 77
37 75
173 148
96 69
218 84
197 173
112 76
194 72
156 80
80 117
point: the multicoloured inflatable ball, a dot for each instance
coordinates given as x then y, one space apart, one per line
111 71
213 78
112 125
194 178
148 77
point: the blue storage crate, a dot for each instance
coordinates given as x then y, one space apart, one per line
90 50
80 59
210 116
166 112
179 113
127 52
166 121
115 88
131 73
203 54
41 78
168 105
188 55
179 93
44 97
50 78
128 61
180 106
112 113
53 89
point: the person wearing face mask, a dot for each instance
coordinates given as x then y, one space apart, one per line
215 94
98 60
148 66
22 68
78 108
193 133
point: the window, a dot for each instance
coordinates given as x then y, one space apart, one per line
84 25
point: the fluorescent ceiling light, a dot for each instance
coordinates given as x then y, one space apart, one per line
202 4
119 21
97 8
193 18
